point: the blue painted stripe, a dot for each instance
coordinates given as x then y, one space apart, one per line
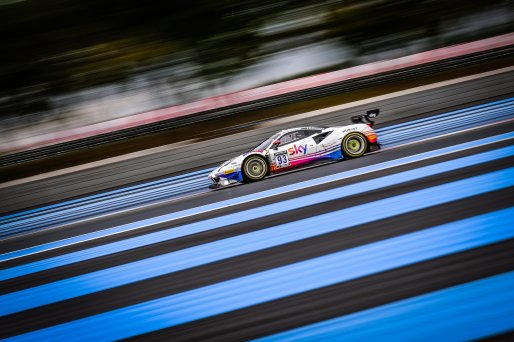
303 201
247 198
447 126
108 193
464 111
83 208
203 254
468 117
121 201
470 311
146 188
457 121
284 281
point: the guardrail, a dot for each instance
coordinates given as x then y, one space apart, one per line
308 87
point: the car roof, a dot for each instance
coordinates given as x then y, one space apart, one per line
285 131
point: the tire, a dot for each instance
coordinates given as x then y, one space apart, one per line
254 168
354 145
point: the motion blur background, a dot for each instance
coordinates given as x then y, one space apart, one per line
113 113
66 64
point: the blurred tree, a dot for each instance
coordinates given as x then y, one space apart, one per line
57 46
356 22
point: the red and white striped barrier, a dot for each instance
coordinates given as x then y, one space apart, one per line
259 93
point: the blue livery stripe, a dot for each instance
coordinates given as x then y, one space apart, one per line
286 281
315 155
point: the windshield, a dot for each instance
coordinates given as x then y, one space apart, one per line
265 144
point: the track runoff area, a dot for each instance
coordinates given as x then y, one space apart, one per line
414 242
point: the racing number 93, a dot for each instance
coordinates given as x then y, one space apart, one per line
281 160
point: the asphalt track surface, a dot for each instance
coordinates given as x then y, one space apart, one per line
414 242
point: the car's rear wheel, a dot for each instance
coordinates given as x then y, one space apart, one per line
354 145
254 168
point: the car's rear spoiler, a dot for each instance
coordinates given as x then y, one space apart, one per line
366 118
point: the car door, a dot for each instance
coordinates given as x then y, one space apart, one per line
317 138
296 148
325 141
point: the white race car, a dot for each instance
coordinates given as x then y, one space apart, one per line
296 147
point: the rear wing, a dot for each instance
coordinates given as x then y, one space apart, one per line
366 118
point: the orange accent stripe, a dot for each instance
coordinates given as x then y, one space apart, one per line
372 136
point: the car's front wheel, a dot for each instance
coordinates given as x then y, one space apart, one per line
354 145
254 168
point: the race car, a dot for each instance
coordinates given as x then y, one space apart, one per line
296 147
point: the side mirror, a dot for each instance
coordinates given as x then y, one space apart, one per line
275 144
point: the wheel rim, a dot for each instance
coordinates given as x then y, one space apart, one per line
355 145
255 168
